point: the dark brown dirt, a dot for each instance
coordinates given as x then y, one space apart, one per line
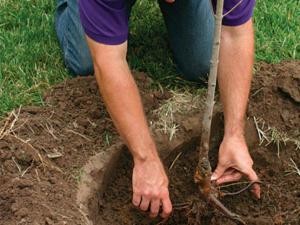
41 159
275 96
72 126
280 202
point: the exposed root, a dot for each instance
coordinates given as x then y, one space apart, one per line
226 212
196 209
208 193
233 184
223 194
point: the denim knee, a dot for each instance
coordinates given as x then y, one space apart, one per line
79 66
193 71
71 37
190 26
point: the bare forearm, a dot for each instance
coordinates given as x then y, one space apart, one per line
122 99
235 73
123 102
236 61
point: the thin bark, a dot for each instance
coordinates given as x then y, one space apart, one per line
203 171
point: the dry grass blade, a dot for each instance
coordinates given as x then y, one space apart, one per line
29 145
79 134
38 156
180 103
10 123
173 163
271 135
294 168
25 171
49 128
261 133
277 138
297 143
17 164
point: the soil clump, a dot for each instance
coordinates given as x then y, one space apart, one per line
272 95
43 150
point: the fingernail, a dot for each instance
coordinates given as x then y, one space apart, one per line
213 177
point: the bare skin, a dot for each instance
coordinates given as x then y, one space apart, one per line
235 73
121 96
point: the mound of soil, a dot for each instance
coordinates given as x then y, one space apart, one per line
43 150
275 96
280 202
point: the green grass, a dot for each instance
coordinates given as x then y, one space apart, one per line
277 30
30 59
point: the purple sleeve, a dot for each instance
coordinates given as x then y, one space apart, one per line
240 15
105 21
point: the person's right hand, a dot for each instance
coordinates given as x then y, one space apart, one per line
235 162
150 187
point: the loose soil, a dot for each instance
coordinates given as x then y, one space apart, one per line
274 101
42 155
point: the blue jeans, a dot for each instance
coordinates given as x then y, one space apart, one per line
190 29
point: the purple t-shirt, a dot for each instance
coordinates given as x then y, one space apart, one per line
106 21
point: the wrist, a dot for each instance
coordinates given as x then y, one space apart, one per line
234 130
145 153
142 158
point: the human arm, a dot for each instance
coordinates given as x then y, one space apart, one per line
121 97
234 78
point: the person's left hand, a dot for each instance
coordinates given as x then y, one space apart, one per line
234 162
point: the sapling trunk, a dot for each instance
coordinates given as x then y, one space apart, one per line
203 171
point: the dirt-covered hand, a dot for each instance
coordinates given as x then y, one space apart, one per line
150 187
234 162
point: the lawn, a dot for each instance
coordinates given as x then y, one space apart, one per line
30 59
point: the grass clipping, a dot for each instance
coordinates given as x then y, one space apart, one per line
181 103
271 135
